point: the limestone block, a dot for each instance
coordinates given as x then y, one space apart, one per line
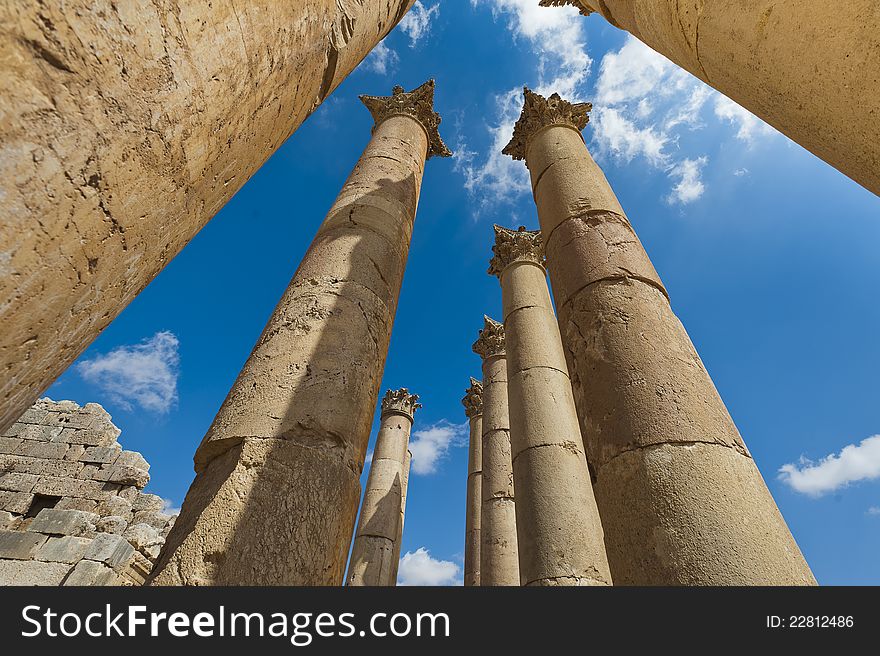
28 465
149 502
123 475
74 452
115 505
15 482
47 450
19 544
132 459
31 572
89 472
63 522
157 520
112 550
15 502
70 487
101 454
113 524
89 572
38 433
127 492
142 536
73 503
13 430
33 415
87 437
66 549
9 445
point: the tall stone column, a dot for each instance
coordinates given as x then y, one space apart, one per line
277 475
473 408
499 563
376 550
559 534
404 490
126 127
804 66
680 498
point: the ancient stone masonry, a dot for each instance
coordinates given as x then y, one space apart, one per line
376 551
680 499
559 534
71 507
298 417
126 127
808 68
473 408
499 564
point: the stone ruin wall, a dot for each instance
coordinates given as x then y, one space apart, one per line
72 509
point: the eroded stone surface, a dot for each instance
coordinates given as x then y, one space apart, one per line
126 128
473 408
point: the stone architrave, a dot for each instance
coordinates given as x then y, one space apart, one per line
499 563
680 497
376 549
559 534
473 409
125 128
298 418
810 69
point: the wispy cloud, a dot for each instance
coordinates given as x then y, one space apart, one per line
854 463
430 445
142 374
690 185
417 22
748 126
420 568
873 510
381 60
169 507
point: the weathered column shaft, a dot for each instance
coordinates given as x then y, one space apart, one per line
559 534
473 404
404 490
125 129
680 498
277 485
499 563
806 67
380 526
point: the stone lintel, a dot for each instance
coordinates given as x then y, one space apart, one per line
580 4
539 112
515 246
400 402
491 339
473 399
417 104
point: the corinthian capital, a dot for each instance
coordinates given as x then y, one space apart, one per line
580 4
515 246
491 339
473 399
539 112
418 104
400 402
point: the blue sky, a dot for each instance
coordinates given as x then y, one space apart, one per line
769 256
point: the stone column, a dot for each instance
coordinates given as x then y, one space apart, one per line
277 486
498 552
376 549
559 534
125 128
804 66
680 498
404 490
473 408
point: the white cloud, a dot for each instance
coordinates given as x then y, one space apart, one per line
854 463
749 126
144 374
690 185
622 138
169 507
741 172
420 568
417 22
431 444
873 510
381 60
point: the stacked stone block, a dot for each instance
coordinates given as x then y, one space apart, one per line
72 510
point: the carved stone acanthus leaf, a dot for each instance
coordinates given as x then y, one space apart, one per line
539 112
515 246
419 104
491 339
400 402
580 4
473 399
